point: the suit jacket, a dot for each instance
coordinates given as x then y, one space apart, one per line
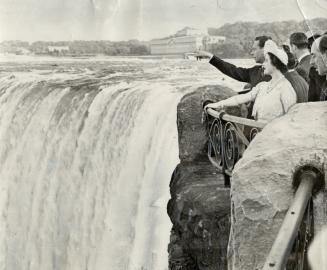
299 85
315 85
303 67
253 75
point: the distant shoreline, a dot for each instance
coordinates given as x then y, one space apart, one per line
99 56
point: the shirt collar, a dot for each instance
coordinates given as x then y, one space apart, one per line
303 55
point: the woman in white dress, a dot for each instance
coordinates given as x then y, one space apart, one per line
271 99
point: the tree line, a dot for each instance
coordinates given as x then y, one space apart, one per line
80 47
239 40
240 35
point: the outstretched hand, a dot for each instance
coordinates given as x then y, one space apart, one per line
204 53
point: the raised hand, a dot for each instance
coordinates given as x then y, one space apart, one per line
204 53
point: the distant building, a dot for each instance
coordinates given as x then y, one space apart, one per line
188 31
176 45
209 40
185 41
58 49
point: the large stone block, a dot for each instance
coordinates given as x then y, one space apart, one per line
261 185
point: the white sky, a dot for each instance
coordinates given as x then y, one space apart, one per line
142 19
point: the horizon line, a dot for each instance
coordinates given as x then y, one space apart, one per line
149 40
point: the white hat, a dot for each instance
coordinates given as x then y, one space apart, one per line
271 47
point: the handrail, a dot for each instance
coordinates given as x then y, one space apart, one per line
289 229
227 139
236 119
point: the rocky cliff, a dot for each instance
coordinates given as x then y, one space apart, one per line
200 203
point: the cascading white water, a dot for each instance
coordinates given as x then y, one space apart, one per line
85 175
86 154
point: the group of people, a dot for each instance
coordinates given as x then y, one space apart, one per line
283 75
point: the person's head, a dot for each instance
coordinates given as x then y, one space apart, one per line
276 59
299 44
257 48
291 58
319 55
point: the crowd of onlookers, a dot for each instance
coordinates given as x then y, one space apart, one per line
292 73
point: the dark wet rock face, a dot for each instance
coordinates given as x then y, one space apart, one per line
199 210
199 207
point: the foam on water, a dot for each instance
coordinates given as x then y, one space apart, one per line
86 159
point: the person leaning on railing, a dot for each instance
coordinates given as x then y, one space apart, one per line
271 99
252 75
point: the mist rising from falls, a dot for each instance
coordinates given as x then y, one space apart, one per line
85 174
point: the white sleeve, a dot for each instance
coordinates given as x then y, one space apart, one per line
287 98
242 98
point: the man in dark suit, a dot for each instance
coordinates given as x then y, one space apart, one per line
319 59
252 75
299 47
316 80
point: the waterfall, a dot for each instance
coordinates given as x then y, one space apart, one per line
85 171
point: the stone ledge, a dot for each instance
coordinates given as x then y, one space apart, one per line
261 185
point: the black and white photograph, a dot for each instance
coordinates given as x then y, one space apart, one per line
163 135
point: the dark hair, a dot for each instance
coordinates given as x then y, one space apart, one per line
286 48
277 63
312 39
262 40
299 39
323 44
301 46
291 58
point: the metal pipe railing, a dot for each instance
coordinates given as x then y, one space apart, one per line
284 241
236 119
227 140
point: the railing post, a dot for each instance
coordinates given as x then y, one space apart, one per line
283 244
